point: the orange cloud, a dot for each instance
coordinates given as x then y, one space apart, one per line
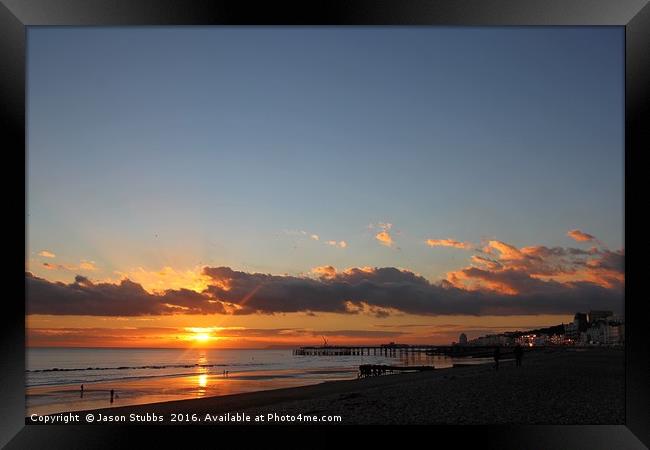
448 243
324 271
384 238
369 310
580 236
47 254
88 266
339 244
169 278
513 270
490 263
506 251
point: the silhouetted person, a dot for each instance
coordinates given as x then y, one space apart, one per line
519 354
497 357
82 391
112 395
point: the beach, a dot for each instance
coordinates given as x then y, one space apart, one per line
559 386
142 376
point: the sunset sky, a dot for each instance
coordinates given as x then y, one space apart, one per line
247 187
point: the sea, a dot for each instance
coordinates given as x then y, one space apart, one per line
54 376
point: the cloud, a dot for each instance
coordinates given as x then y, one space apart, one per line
46 254
167 278
126 298
384 238
501 280
324 271
87 266
300 236
580 236
511 270
506 251
401 290
448 243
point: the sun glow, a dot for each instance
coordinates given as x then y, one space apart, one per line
201 337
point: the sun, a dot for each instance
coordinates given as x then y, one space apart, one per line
201 337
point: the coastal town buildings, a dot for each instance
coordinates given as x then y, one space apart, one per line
587 329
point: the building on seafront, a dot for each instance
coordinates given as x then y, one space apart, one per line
596 328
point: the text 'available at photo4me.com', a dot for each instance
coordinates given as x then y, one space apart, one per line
222 418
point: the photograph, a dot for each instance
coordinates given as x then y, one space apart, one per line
407 217
385 225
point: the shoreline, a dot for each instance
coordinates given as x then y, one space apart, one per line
147 390
550 387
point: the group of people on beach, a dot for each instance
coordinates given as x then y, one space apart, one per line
518 352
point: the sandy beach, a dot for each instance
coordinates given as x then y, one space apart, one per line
572 386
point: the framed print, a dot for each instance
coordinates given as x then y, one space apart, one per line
287 216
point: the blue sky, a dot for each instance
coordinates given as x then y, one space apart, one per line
152 147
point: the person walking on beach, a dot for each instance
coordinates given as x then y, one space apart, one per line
82 391
519 354
112 395
497 356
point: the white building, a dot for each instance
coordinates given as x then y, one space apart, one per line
606 333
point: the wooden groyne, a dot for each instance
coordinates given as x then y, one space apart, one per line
373 370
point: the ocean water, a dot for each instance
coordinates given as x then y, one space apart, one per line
54 375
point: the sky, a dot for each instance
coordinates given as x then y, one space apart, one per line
264 186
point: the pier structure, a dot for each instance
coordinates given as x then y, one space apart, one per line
393 350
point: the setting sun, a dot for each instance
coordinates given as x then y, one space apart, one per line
201 337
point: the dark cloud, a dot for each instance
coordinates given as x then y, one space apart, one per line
83 297
376 291
400 290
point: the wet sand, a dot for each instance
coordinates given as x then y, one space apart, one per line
146 390
552 387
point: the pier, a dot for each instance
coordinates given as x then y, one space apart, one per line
395 350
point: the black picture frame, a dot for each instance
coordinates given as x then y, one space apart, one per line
634 15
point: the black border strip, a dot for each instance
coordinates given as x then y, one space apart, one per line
15 15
